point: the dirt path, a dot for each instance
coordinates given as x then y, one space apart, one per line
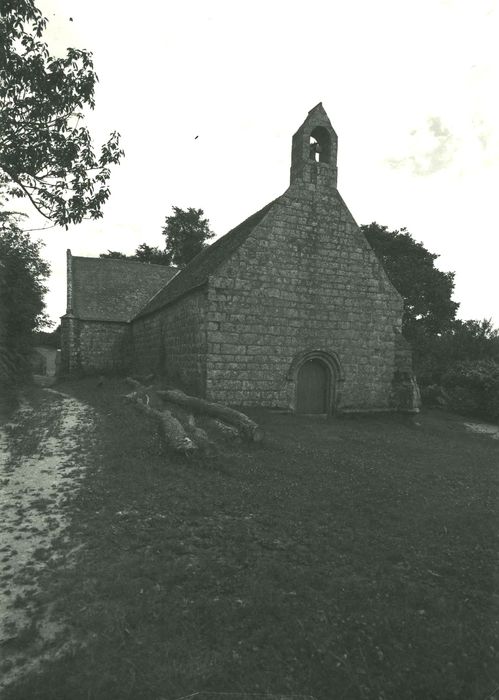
43 455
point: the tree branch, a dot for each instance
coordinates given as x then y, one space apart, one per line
43 228
26 192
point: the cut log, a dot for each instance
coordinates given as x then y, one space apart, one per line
200 436
146 393
203 441
229 432
173 432
247 428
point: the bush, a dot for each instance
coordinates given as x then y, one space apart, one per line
473 388
8 379
434 396
22 276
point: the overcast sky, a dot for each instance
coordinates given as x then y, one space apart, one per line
411 89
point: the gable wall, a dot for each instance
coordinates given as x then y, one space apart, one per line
172 342
89 347
305 279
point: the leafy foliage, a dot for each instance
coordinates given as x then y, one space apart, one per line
144 253
462 356
22 288
117 255
464 341
472 340
461 367
50 339
473 388
428 306
186 233
151 254
45 154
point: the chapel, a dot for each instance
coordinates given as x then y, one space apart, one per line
291 309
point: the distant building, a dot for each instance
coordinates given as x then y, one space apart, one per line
289 309
43 360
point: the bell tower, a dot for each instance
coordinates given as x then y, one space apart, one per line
315 150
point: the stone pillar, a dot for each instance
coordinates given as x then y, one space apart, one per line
69 344
69 326
69 277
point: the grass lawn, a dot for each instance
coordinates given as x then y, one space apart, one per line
342 559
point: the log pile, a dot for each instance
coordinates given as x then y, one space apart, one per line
226 422
245 426
173 432
228 432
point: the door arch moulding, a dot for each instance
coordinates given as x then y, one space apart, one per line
335 370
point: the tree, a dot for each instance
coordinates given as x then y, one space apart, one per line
461 355
46 154
51 339
472 340
427 292
186 233
464 342
144 253
472 388
117 255
152 254
22 288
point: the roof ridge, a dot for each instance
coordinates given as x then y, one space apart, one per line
122 260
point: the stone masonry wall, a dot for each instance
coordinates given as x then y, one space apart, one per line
68 351
305 280
172 342
89 347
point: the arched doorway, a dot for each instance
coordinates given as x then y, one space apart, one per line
317 379
313 387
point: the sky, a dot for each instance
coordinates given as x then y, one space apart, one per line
411 89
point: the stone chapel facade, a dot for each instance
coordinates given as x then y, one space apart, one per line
290 309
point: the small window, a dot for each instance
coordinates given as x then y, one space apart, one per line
320 145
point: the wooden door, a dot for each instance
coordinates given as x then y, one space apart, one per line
313 387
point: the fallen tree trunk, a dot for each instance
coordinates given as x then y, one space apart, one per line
229 432
146 393
172 429
200 436
247 428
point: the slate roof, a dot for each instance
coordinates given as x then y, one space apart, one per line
110 289
196 273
